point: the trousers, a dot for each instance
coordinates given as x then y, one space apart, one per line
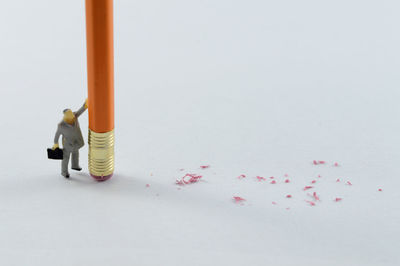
75 160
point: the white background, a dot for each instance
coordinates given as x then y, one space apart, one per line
249 87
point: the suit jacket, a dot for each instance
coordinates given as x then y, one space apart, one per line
71 134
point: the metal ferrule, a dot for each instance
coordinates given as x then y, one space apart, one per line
101 153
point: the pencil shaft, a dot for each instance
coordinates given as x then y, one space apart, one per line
100 64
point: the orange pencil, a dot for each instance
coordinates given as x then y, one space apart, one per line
100 68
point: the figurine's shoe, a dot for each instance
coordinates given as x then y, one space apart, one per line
77 168
65 175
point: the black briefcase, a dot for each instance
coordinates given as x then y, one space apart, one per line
56 154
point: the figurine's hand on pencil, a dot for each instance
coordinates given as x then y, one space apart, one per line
55 146
86 104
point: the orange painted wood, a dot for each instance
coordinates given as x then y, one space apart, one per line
100 64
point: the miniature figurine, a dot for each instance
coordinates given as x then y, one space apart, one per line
72 139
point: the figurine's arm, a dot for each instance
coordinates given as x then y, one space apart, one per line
56 137
82 109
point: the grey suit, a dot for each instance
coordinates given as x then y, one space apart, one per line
72 140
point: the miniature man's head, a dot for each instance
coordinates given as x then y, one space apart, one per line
69 116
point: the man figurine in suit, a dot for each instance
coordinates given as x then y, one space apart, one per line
71 138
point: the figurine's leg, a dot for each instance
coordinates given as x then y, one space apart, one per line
64 163
75 161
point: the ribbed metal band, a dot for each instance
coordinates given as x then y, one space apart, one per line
101 153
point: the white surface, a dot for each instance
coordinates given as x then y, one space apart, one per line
253 87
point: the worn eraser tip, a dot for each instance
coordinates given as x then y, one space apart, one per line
101 178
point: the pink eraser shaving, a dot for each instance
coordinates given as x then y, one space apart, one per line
204 166
315 196
260 178
288 196
287 181
193 178
273 182
338 199
310 202
241 176
238 199
307 187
